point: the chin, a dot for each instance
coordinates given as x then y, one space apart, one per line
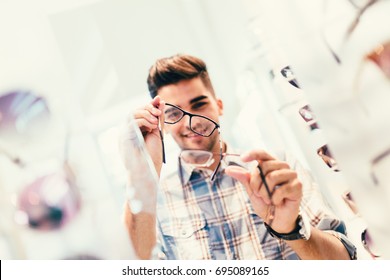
193 145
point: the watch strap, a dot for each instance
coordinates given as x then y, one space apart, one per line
301 231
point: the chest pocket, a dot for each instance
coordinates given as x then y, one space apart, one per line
185 238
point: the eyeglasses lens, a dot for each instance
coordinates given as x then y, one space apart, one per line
196 157
327 157
198 124
21 112
289 75
201 126
172 114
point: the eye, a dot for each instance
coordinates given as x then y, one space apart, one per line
172 114
199 105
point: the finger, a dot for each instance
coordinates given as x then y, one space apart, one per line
240 174
158 103
155 107
153 110
243 176
162 105
145 115
256 155
145 126
279 177
271 165
290 191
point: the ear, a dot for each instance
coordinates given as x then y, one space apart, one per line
220 106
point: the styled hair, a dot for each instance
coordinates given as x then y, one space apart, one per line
171 70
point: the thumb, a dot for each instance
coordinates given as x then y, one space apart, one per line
239 173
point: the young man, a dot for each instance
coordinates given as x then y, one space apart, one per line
234 215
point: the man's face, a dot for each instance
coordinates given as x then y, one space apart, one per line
192 96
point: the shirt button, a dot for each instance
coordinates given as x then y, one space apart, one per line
183 232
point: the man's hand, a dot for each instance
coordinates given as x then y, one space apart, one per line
140 153
283 183
147 119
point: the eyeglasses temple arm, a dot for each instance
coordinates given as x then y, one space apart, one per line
161 120
353 25
272 207
264 182
216 170
220 153
162 137
332 52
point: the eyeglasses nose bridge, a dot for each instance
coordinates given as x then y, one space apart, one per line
187 119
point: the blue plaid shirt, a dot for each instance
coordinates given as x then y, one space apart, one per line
215 220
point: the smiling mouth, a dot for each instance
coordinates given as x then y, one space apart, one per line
191 135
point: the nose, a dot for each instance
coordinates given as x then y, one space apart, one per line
185 121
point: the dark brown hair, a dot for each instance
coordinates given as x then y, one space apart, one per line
171 70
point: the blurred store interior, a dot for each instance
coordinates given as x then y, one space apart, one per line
306 76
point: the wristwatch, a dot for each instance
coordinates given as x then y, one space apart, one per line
302 230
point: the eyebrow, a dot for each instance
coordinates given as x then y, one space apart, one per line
196 99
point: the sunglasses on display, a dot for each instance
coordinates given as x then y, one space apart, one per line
288 74
327 157
368 244
307 114
50 201
380 55
361 7
365 237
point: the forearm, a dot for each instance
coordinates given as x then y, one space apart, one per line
320 246
142 231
